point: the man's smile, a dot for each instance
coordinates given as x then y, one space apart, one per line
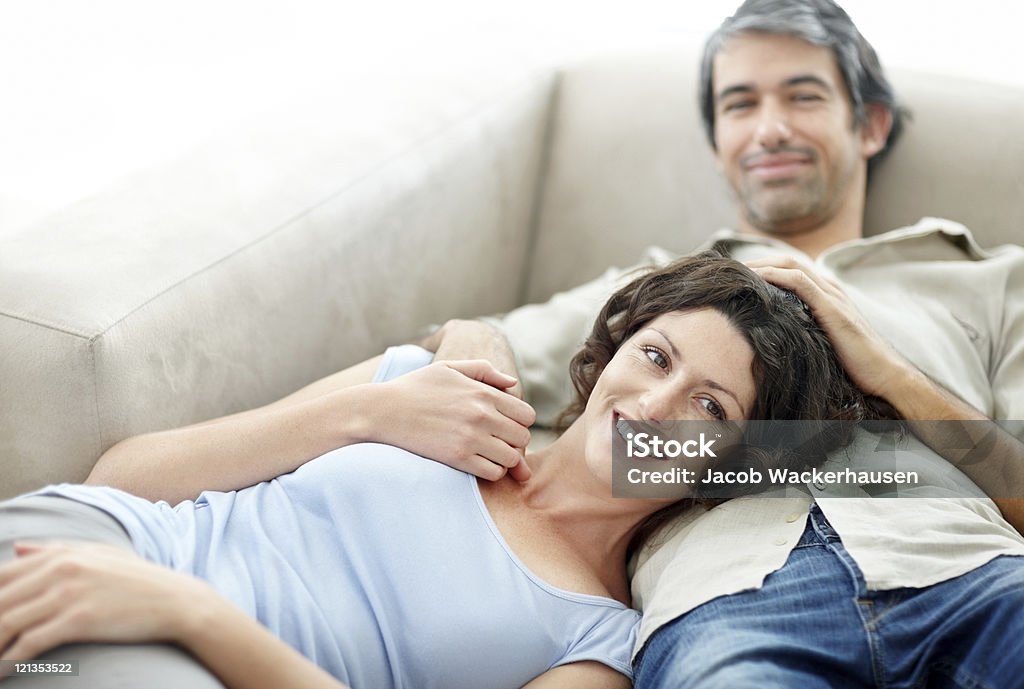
777 166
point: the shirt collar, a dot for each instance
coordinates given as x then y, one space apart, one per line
941 228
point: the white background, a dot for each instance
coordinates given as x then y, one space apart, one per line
92 90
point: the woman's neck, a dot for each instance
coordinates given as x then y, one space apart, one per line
565 507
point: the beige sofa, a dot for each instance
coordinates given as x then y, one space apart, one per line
301 242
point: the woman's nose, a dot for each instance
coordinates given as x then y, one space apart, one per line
658 405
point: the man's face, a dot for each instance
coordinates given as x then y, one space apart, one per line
785 134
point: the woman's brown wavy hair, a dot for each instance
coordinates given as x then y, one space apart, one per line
796 371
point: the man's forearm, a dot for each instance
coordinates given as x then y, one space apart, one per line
461 339
994 460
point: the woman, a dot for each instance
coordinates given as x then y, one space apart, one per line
385 570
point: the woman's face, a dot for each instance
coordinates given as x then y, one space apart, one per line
682 366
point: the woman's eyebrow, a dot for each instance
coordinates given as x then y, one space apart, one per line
675 352
714 384
707 381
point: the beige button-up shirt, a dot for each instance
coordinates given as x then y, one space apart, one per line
953 309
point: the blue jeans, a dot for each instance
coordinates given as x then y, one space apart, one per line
813 624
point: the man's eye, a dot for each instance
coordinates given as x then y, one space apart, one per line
806 97
738 105
713 408
656 356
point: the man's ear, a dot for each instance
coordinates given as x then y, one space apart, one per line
875 132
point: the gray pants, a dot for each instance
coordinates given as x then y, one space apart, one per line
100 666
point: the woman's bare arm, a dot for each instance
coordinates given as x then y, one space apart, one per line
454 412
242 449
245 655
587 674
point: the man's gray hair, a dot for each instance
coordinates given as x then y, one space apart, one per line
822 23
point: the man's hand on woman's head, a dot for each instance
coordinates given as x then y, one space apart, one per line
871 362
459 413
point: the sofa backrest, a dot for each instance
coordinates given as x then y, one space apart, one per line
629 165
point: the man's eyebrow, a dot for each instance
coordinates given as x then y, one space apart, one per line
812 79
797 80
738 88
707 381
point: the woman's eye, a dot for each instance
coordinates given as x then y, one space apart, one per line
713 408
656 356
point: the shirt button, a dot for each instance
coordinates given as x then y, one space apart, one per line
793 517
780 541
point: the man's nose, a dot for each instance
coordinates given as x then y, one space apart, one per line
772 128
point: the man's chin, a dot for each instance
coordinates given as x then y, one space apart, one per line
778 212
783 221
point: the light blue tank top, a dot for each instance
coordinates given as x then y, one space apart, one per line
380 566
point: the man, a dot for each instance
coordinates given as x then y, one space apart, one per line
825 593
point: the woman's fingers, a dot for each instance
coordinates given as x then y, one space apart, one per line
506 444
13 569
484 371
20 625
484 468
55 632
491 448
456 413
88 592
29 547
520 472
461 340
509 430
33 601
25 578
517 410
14 596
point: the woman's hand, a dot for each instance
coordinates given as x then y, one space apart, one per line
53 594
460 340
459 413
